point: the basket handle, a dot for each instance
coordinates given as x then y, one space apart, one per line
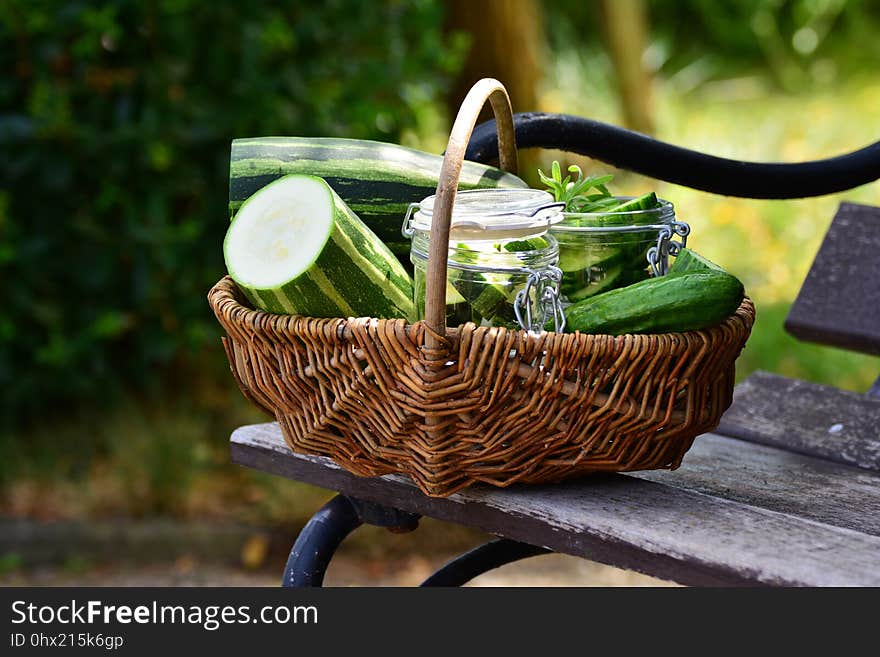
435 288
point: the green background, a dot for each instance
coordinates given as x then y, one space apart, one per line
115 126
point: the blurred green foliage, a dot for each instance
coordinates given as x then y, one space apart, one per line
115 124
791 43
794 42
770 245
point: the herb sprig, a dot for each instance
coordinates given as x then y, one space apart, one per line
576 193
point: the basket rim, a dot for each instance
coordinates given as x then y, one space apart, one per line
225 294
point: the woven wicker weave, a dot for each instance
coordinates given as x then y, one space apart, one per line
476 404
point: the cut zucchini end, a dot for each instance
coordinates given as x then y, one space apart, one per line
279 231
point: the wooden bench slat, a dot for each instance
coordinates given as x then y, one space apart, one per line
839 302
779 481
807 418
874 390
690 536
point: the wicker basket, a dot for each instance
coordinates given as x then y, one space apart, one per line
451 407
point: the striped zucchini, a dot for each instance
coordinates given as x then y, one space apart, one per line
295 247
376 180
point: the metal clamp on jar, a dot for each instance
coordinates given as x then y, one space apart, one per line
502 262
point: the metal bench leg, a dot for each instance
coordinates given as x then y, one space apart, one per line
482 559
317 542
325 531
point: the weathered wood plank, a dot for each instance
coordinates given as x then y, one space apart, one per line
874 390
839 302
807 418
778 480
689 536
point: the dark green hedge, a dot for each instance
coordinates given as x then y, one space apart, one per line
115 124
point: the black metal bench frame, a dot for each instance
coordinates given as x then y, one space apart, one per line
325 531
814 316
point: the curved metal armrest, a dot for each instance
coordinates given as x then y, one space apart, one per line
636 152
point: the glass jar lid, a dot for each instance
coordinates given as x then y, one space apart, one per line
491 214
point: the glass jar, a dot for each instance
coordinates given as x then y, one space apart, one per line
501 267
601 251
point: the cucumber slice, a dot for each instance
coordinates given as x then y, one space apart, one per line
689 260
584 255
611 279
489 301
466 255
469 284
644 202
530 244
453 296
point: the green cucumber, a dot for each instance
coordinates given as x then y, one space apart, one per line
671 303
594 265
468 284
453 296
689 260
585 253
528 244
484 299
295 247
576 290
618 276
376 180
644 202
489 301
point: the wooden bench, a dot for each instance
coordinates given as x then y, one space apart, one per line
785 492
